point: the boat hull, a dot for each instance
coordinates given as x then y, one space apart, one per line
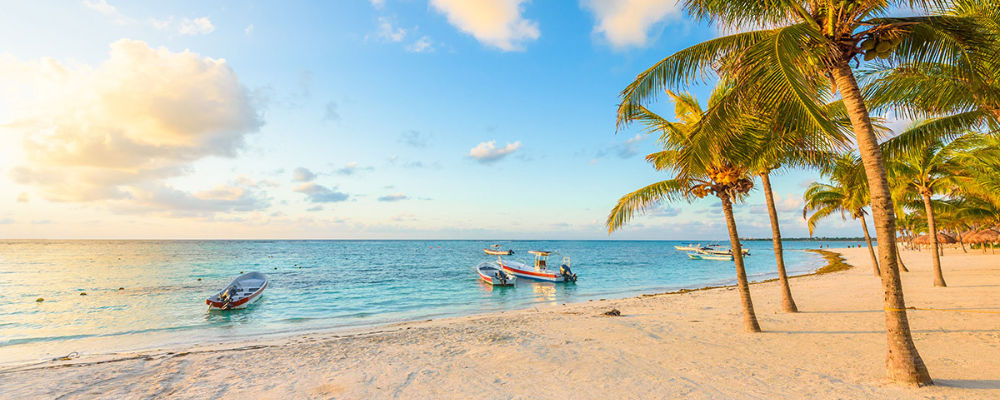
216 303
498 252
525 272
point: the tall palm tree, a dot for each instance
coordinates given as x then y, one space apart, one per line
848 195
813 41
699 167
929 168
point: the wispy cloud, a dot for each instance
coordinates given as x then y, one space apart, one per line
393 197
351 168
487 152
248 30
107 10
414 138
626 23
302 174
330 112
317 193
22 198
387 32
496 23
185 26
422 45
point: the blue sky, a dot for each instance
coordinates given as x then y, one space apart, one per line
348 119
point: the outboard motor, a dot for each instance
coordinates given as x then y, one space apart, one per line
567 274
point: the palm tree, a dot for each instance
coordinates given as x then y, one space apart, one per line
848 195
810 42
699 167
927 169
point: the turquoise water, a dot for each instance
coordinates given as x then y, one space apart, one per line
314 284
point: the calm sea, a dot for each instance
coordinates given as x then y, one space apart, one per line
314 285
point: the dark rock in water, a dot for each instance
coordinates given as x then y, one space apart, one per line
613 313
39 300
121 288
83 293
199 279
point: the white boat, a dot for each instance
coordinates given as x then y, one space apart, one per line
240 293
492 274
690 247
495 251
706 256
540 271
745 252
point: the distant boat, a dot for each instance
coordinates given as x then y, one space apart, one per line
492 274
240 293
540 271
705 256
690 247
745 252
495 251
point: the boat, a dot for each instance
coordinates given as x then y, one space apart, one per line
690 247
240 293
745 252
492 274
495 251
540 270
706 256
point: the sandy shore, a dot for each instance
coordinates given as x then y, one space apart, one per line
662 346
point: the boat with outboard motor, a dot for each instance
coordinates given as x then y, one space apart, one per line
540 270
705 256
691 247
495 251
494 275
240 293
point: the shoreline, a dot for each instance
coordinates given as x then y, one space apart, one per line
168 339
660 346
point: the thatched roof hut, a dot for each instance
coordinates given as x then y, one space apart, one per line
984 236
941 239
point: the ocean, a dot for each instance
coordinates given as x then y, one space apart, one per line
142 294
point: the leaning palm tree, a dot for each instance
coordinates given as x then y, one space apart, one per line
928 169
848 195
698 168
811 41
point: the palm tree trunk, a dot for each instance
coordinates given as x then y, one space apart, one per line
868 239
899 259
749 318
961 241
903 362
787 303
932 232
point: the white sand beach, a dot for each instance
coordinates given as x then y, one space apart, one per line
688 345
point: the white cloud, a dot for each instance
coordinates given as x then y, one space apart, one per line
317 193
22 198
107 10
248 30
387 32
487 152
187 26
626 23
377 3
393 197
301 174
422 45
496 23
115 132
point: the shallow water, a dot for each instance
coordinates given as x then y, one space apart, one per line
314 285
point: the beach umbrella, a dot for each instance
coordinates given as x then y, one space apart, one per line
941 239
984 236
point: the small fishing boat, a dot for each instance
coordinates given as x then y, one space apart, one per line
240 293
495 251
690 247
492 274
745 252
706 256
540 271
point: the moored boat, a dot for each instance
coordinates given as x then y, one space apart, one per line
690 247
495 251
707 256
492 274
240 293
540 271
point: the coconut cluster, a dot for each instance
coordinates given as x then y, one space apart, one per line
725 179
880 47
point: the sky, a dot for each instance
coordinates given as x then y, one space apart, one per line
348 119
